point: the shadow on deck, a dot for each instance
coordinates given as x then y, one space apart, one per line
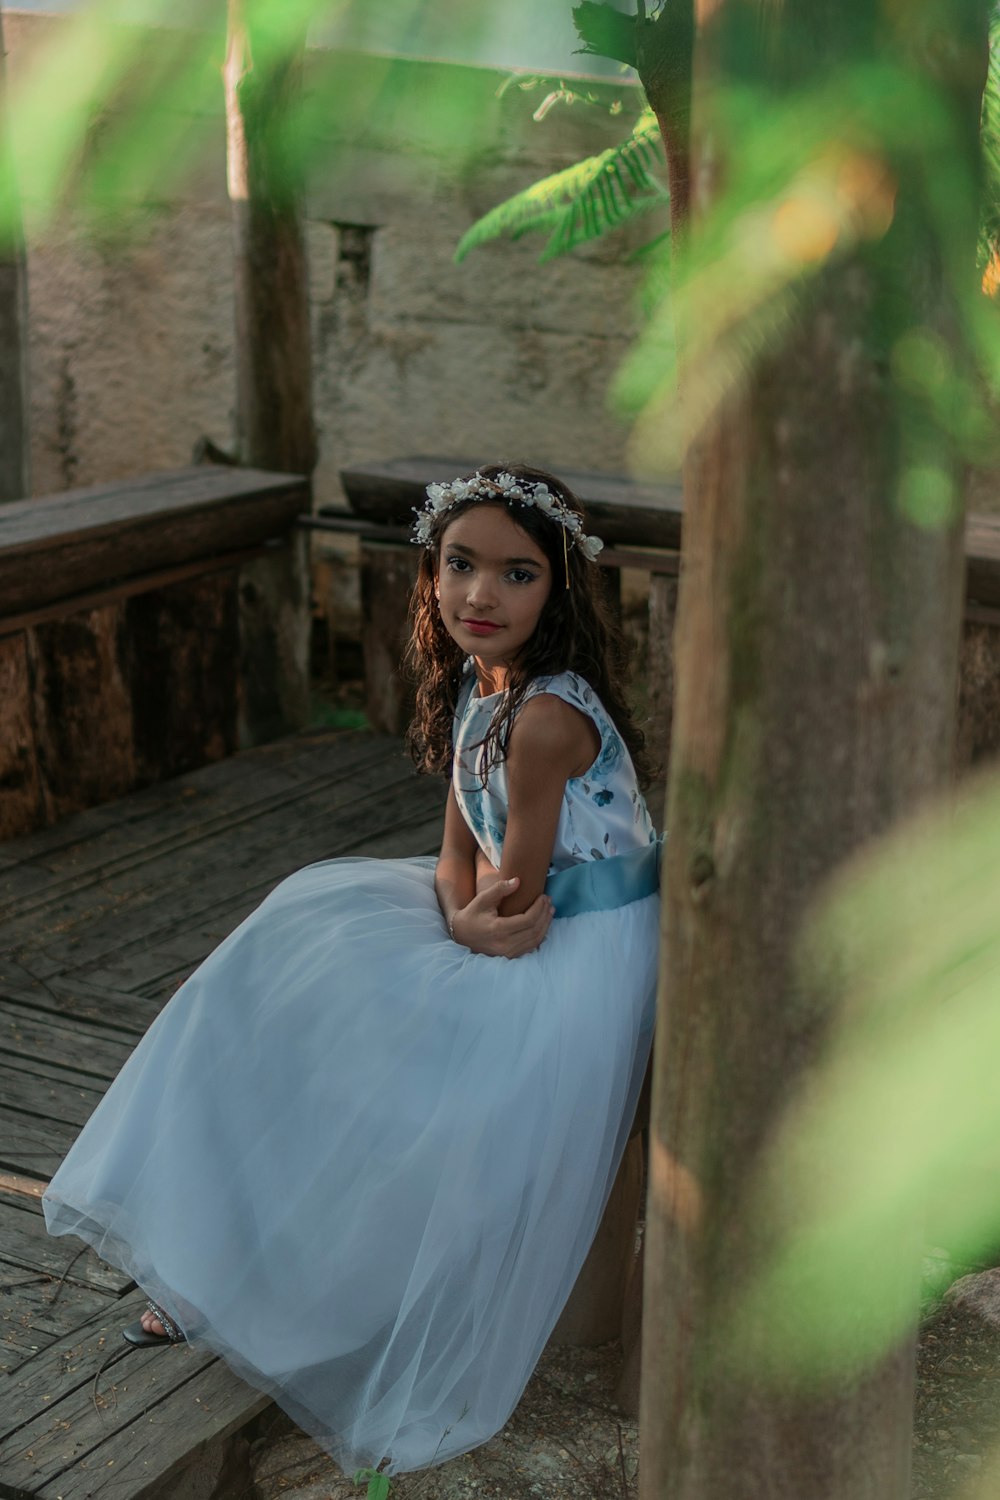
101 918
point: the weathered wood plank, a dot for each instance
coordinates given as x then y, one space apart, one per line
20 783
36 1310
47 1099
182 643
24 1241
82 710
124 834
154 968
14 1185
388 574
162 1439
246 857
65 544
66 1079
86 1050
236 881
65 1371
622 510
80 1000
150 1411
982 559
978 728
32 1145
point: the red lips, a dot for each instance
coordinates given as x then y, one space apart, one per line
480 627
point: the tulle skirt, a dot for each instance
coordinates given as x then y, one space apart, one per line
365 1165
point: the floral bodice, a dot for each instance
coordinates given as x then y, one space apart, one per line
603 811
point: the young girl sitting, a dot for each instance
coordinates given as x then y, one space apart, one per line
364 1150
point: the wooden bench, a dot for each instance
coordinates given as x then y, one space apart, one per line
641 526
146 627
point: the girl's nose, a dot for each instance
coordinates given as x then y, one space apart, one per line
481 592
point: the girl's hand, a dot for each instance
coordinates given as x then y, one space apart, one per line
480 927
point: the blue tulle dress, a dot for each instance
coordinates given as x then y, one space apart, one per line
365 1165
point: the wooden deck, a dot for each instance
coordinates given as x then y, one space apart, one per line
101 917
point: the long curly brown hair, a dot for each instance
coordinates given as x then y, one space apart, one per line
576 632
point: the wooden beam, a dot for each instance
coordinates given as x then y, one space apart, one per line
86 539
627 514
622 510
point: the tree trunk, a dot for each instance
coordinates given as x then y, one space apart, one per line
15 475
274 421
664 54
816 657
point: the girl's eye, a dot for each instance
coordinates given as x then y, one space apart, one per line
457 564
521 575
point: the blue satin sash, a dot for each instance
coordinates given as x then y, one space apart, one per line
603 884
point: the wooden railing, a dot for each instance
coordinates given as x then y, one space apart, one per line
146 628
641 526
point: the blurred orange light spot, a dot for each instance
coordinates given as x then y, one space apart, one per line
805 228
991 275
868 190
674 1187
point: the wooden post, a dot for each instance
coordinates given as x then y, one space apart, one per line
15 444
816 658
274 421
273 360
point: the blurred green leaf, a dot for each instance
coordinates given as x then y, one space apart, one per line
811 179
894 1141
584 201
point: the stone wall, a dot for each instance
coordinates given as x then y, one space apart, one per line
131 337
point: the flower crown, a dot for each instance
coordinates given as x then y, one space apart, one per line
441 497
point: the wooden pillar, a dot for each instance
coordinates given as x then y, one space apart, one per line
593 1315
816 661
660 671
388 573
274 420
263 78
15 442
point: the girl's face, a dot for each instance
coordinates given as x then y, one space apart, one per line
492 584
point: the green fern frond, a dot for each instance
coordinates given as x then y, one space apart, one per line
584 201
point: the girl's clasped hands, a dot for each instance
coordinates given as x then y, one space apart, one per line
480 927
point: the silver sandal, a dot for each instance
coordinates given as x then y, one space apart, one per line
141 1337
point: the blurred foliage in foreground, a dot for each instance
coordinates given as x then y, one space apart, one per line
115 103
904 1112
865 165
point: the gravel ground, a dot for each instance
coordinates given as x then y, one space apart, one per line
567 1441
956 1448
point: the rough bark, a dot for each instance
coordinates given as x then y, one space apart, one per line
664 61
15 475
273 360
816 655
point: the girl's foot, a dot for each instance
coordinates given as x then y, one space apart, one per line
153 1327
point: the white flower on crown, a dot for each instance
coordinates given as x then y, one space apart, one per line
441 497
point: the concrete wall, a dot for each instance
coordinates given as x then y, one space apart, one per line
131 336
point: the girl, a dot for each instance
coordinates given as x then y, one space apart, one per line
364 1150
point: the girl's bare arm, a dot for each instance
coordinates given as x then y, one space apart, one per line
473 918
455 875
550 742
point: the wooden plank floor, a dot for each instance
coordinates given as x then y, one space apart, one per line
101 917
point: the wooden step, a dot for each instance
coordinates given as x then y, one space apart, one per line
90 1418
